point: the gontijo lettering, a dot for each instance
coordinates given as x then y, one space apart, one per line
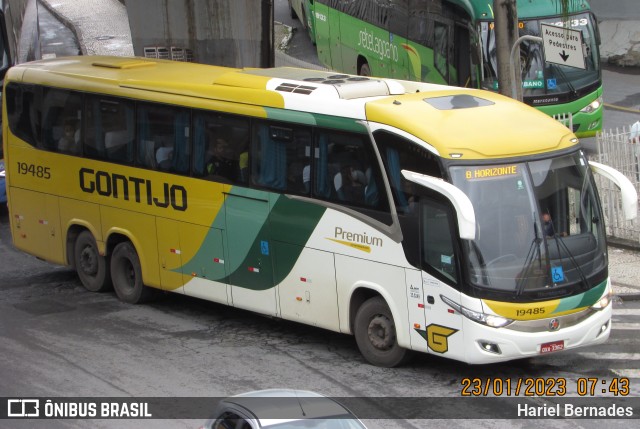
120 187
483 173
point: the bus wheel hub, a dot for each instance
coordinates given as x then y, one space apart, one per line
380 330
89 261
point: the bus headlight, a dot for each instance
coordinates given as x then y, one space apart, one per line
593 106
486 319
603 303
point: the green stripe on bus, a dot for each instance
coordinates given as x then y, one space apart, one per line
585 299
314 119
250 264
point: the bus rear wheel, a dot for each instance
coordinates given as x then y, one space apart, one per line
92 268
375 333
127 275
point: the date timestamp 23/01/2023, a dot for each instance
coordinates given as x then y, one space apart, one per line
544 386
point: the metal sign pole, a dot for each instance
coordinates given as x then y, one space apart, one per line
514 90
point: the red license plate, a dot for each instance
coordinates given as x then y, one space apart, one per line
555 346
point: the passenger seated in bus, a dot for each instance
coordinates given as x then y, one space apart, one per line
243 162
68 143
306 178
349 184
218 162
164 156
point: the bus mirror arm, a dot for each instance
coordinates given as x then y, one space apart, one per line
462 204
627 190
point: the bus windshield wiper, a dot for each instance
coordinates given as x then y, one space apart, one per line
560 243
534 249
566 80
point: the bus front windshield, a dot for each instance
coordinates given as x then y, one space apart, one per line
539 228
540 78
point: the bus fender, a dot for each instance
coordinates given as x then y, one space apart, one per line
148 278
82 224
372 289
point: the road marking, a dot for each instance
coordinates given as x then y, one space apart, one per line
610 356
625 326
624 109
626 311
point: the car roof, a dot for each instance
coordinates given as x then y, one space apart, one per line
274 406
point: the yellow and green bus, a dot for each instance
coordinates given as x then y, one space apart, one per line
453 42
410 215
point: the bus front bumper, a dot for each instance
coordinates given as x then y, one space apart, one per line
487 345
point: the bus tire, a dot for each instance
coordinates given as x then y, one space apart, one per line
375 333
364 69
127 275
92 268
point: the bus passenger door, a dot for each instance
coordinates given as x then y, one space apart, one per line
440 279
250 250
443 50
462 57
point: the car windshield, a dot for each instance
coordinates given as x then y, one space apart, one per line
540 78
539 227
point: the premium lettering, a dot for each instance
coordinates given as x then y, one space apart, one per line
363 238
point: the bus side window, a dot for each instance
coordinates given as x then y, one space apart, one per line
24 111
400 154
220 146
441 49
281 156
420 22
61 120
164 136
437 242
109 129
346 170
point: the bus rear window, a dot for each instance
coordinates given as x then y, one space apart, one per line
24 107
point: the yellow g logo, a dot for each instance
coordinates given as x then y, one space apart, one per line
436 337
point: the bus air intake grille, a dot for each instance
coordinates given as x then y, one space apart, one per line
298 89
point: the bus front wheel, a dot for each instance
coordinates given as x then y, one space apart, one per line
375 333
92 268
127 275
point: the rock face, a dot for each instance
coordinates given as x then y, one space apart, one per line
620 42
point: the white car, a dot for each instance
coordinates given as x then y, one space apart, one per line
282 409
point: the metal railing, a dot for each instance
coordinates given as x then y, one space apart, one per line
620 149
565 119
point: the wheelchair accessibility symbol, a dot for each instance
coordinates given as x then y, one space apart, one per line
557 274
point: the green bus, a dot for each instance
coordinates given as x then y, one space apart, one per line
453 42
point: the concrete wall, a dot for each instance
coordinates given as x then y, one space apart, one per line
619 30
236 33
616 9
